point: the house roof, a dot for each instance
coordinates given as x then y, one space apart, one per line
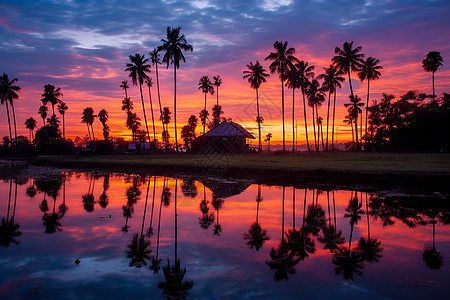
228 128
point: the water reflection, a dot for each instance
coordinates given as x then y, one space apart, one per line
137 225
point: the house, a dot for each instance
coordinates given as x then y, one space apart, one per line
228 137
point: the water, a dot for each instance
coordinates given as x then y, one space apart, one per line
230 245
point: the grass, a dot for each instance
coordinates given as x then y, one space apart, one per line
410 171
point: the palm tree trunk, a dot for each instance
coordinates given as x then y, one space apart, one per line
293 120
259 123
314 128
434 95
43 121
204 123
126 94
64 127
14 119
89 132
9 200
293 208
53 109
353 134
9 121
350 81
329 211
321 133
334 114
282 111
368 223
304 207
306 123
356 134
159 98
217 92
151 109
175 104
328 117
367 101
93 136
145 116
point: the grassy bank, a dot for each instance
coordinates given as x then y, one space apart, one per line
403 171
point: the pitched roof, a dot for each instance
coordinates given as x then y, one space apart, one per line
228 128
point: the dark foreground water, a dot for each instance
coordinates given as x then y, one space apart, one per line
84 236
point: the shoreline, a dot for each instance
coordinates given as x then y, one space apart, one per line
412 172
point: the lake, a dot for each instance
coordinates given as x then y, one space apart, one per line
81 235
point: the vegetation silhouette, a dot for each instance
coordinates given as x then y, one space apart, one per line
149 84
433 258
8 93
217 203
282 59
138 69
174 45
431 63
88 118
88 198
207 217
155 59
206 86
133 193
256 75
155 265
62 108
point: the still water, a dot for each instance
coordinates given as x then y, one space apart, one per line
123 236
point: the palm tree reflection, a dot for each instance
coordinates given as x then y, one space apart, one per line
433 258
217 203
103 199
138 250
256 236
207 218
9 230
174 286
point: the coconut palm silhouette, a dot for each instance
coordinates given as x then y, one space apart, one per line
104 200
256 236
174 286
9 230
88 198
150 227
332 239
133 193
315 217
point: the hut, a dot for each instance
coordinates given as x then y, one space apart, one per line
228 137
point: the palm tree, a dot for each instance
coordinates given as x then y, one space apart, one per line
320 131
217 82
154 57
315 99
133 124
256 75
62 108
8 94
149 83
331 80
51 94
138 69
282 59
354 110
174 47
370 70
293 82
349 120
43 112
127 104
166 120
88 118
431 63
306 73
267 139
348 59
125 86
216 112
103 118
30 124
206 86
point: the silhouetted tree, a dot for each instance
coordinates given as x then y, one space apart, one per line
43 112
149 83
8 93
256 75
138 69
30 124
174 46
431 63
282 59
206 86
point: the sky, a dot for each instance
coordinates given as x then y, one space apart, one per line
83 47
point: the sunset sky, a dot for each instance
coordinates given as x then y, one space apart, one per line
83 46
